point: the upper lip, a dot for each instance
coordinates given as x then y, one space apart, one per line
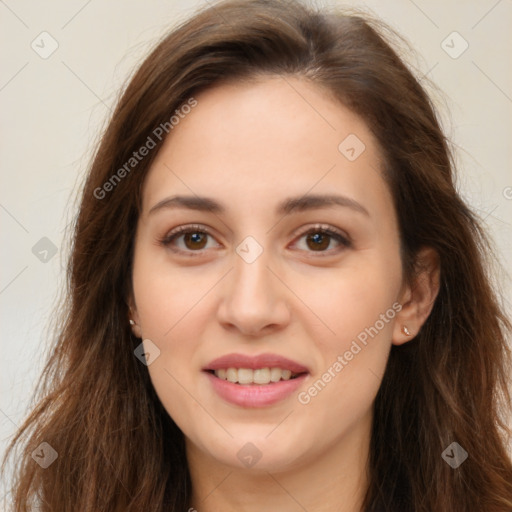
255 362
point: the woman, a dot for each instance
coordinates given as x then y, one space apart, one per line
277 299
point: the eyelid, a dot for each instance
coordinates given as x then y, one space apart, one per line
322 227
187 228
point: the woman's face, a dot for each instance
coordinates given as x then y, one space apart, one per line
266 278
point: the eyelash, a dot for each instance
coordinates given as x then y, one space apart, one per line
182 230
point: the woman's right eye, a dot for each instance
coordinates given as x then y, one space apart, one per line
194 238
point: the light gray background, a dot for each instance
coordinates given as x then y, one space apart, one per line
53 110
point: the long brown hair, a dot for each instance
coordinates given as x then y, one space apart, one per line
118 449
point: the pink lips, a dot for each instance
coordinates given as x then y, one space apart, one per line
255 395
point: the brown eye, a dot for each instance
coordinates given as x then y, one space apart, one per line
318 239
195 240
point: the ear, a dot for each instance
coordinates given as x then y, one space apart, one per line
133 317
417 298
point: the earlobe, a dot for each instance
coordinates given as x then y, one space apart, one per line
133 319
136 330
418 298
406 331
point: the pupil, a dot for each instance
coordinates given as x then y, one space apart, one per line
318 238
194 238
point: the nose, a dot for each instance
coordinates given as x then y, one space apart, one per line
254 299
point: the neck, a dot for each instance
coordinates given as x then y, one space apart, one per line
334 480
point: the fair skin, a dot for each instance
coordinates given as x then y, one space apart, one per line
249 146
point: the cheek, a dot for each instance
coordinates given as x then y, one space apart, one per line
171 310
165 295
351 299
357 306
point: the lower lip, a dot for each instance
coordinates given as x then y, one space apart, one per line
255 395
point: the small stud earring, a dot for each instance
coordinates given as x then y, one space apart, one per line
132 322
405 330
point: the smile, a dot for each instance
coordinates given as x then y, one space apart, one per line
253 395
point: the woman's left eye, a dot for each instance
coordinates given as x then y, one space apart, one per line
319 238
194 238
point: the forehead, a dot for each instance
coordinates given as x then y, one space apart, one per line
247 143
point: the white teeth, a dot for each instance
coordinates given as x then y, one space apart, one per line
248 376
275 374
231 374
245 376
261 376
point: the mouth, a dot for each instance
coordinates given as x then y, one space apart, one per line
258 376
258 390
253 381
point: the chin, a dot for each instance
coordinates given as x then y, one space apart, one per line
259 452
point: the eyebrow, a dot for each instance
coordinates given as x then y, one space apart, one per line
289 205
